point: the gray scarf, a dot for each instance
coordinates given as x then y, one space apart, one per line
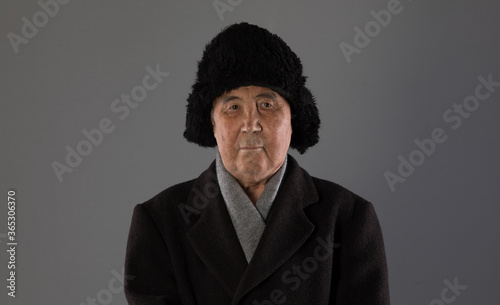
249 220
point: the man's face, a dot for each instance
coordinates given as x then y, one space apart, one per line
252 127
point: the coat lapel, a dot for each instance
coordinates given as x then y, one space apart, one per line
287 228
213 236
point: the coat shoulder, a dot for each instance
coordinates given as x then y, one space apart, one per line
170 201
335 194
169 198
326 186
329 196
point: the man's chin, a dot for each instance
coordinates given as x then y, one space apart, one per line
252 165
257 157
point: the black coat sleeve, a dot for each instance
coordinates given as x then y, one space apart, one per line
147 264
362 277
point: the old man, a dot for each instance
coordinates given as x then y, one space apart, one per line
254 228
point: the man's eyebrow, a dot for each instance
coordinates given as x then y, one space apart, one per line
269 95
228 98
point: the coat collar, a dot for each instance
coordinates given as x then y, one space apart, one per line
214 239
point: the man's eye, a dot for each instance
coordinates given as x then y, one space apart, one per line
266 105
233 107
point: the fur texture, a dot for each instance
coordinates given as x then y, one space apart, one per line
242 55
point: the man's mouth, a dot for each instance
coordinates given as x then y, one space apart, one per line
251 147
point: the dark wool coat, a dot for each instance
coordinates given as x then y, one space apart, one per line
322 245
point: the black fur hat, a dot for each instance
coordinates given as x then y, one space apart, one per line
243 55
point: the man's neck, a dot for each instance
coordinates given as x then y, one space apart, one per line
254 191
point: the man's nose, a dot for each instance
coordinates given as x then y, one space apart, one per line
251 120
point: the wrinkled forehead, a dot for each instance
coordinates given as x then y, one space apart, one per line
248 93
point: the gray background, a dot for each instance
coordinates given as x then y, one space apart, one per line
441 223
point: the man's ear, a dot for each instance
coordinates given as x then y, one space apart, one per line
212 120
